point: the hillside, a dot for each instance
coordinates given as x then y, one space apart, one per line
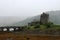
54 16
7 20
26 21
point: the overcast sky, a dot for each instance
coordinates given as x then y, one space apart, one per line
27 8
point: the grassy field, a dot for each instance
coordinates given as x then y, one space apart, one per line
43 27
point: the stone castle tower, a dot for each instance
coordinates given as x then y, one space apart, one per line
44 18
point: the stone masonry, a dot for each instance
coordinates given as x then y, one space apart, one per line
44 18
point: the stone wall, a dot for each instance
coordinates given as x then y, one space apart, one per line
11 29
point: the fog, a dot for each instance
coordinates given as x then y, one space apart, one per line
16 10
26 8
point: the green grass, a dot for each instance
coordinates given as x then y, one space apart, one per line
56 27
43 27
32 27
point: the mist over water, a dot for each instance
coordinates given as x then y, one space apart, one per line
12 11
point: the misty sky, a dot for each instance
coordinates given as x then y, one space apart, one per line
27 7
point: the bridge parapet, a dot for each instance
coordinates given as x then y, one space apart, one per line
11 29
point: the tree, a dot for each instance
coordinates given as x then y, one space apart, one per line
49 24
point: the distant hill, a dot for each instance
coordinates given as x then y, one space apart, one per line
54 16
26 21
7 20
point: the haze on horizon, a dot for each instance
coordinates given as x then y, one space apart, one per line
12 11
26 8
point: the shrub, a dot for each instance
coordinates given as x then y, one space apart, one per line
49 24
37 26
42 27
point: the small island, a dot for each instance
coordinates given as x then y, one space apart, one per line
43 29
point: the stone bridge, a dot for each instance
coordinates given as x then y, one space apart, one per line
11 28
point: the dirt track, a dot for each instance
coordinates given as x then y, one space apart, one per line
11 36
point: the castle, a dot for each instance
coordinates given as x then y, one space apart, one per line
18 33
